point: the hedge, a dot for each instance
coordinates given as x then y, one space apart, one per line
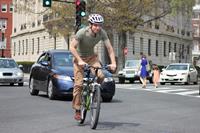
26 65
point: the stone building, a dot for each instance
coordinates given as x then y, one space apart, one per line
164 41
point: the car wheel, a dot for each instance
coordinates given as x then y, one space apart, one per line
196 81
107 99
20 84
50 91
131 80
11 84
188 81
121 80
32 89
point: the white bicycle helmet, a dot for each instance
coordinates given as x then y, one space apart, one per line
95 18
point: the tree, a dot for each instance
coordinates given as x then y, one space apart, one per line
121 15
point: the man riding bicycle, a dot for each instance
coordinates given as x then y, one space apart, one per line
82 48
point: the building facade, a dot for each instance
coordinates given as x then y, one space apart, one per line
163 41
6 10
196 33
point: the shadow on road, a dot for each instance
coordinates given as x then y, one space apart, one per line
112 125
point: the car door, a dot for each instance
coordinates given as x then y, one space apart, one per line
35 71
193 73
44 71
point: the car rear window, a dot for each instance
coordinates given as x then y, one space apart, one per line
4 63
62 59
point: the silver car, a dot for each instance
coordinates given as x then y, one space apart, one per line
10 72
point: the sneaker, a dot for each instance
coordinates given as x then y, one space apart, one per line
77 115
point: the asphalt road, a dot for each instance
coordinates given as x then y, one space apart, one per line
133 110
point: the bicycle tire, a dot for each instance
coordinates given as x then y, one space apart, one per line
95 105
83 108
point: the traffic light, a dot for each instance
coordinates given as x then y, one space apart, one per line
47 3
80 11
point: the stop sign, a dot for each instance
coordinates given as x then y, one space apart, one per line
125 51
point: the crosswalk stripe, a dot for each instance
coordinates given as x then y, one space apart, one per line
172 90
178 90
188 92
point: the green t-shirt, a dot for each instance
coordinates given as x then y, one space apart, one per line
86 41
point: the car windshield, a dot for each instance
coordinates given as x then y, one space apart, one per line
132 63
177 67
62 59
4 63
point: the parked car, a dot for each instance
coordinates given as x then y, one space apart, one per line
179 73
10 72
53 73
130 72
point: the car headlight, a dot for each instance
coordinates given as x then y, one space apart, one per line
67 78
108 79
18 74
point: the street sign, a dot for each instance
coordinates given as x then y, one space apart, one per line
125 51
3 44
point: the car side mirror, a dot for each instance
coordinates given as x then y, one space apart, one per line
44 63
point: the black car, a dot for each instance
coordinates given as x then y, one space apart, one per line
53 73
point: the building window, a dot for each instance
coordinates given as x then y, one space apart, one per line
149 47
174 47
169 47
3 24
14 50
164 49
141 45
22 47
182 51
19 50
133 45
156 47
11 7
188 49
26 46
33 46
4 8
38 48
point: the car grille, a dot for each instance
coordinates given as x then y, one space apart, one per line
171 75
7 74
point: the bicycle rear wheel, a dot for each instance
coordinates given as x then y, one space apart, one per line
95 107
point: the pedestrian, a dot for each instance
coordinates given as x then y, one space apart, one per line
82 48
156 75
143 71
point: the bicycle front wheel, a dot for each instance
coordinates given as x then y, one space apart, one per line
95 105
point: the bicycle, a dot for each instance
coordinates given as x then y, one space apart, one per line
91 96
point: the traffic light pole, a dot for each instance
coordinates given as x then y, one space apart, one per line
64 1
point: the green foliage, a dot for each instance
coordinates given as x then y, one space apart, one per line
26 65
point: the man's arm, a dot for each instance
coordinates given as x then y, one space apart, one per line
111 54
73 47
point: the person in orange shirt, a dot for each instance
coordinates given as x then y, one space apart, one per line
156 75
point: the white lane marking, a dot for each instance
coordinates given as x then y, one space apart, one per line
188 92
172 90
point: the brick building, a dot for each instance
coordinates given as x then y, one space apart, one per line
6 9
